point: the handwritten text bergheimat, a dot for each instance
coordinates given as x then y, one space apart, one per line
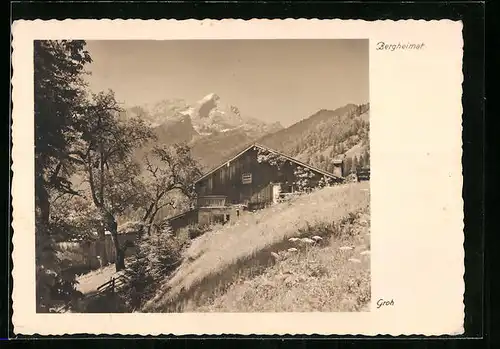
381 45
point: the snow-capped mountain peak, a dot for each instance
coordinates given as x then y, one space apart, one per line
205 105
210 97
208 115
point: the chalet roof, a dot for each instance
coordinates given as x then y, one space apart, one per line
257 145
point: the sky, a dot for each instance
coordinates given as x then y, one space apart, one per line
272 80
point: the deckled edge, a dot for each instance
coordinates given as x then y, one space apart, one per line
462 330
12 313
206 20
202 22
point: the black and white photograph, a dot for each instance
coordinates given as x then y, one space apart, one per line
202 176
237 177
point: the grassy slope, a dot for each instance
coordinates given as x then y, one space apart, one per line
320 278
231 245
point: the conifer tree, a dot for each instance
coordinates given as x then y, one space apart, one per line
58 92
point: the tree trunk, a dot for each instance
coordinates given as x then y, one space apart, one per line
102 233
43 204
101 242
120 252
120 259
150 223
101 246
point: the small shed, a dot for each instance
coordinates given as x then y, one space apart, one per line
183 219
338 166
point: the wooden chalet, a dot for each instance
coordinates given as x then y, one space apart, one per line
254 178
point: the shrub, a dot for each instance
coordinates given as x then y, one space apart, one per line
54 288
303 179
182 237
55 281
157 255
163 252
324 182
197 230
139 284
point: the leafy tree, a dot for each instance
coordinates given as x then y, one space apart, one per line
74 218
324 181
271 158
170 170
58 92
303 178
105 153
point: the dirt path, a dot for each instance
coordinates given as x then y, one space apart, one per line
88 283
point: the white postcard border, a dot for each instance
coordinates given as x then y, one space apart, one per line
416 179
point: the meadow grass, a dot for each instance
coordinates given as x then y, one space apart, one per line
327 277
228 245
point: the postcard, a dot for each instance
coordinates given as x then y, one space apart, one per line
237 177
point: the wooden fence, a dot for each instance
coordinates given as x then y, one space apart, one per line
114 284
85 255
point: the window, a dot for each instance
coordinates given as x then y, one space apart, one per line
210 183
246 178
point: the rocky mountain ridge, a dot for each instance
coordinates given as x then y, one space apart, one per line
207 116
215 130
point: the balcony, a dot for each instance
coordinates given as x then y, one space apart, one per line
212 201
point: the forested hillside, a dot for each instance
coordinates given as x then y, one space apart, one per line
326 135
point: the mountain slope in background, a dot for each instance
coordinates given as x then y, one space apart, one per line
326 135
215 131
212 128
